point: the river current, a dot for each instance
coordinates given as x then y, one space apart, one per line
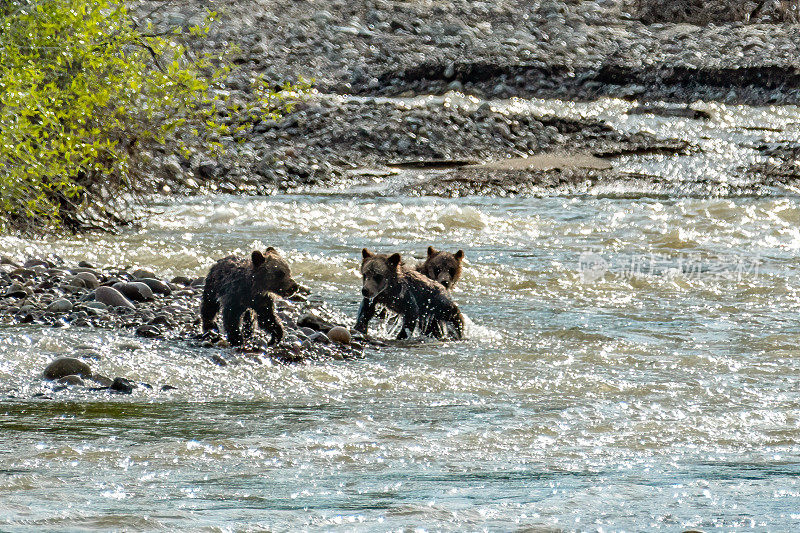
630 363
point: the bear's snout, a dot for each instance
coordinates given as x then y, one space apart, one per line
365 292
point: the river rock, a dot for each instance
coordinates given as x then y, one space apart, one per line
60 306
67 366
112 297
320 337
181 280
16 290
30 263
149 332
141 273
76 283
71 380
135 290
157 286
339 334
89 279
103 381
314 322
122 385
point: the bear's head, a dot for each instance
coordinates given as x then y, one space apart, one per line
271 273
443 267
378 272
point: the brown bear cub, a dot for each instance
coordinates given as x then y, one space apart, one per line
419 300
240 284
443 267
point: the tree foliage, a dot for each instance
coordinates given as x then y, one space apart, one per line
85 94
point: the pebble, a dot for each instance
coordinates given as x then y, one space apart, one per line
320 337
149 332
60 306
112 298
66 366
16 290
36 262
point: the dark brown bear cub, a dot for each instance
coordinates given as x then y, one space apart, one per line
421 301
240 284
443 267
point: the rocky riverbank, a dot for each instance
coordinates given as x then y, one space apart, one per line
607 46
49 293
357 53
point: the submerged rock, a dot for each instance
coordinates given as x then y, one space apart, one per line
71 380
122 385
67 366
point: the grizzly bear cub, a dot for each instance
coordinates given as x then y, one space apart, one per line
240 284
418 299
442 266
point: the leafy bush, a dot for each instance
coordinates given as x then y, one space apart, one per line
85 96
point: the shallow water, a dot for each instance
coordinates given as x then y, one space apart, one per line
657 398
630 364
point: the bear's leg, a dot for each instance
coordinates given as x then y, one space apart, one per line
410 317
458 323
231 316
365 314
209 307
247 324
269 321
433 328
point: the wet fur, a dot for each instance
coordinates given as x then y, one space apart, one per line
443 267
236 285
420 301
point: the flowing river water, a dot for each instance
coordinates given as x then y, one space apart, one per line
631 363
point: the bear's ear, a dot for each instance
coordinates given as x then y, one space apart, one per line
366 253
431 251
459 255
258 259
393 260
271 249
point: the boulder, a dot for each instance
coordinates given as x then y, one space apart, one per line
67 366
